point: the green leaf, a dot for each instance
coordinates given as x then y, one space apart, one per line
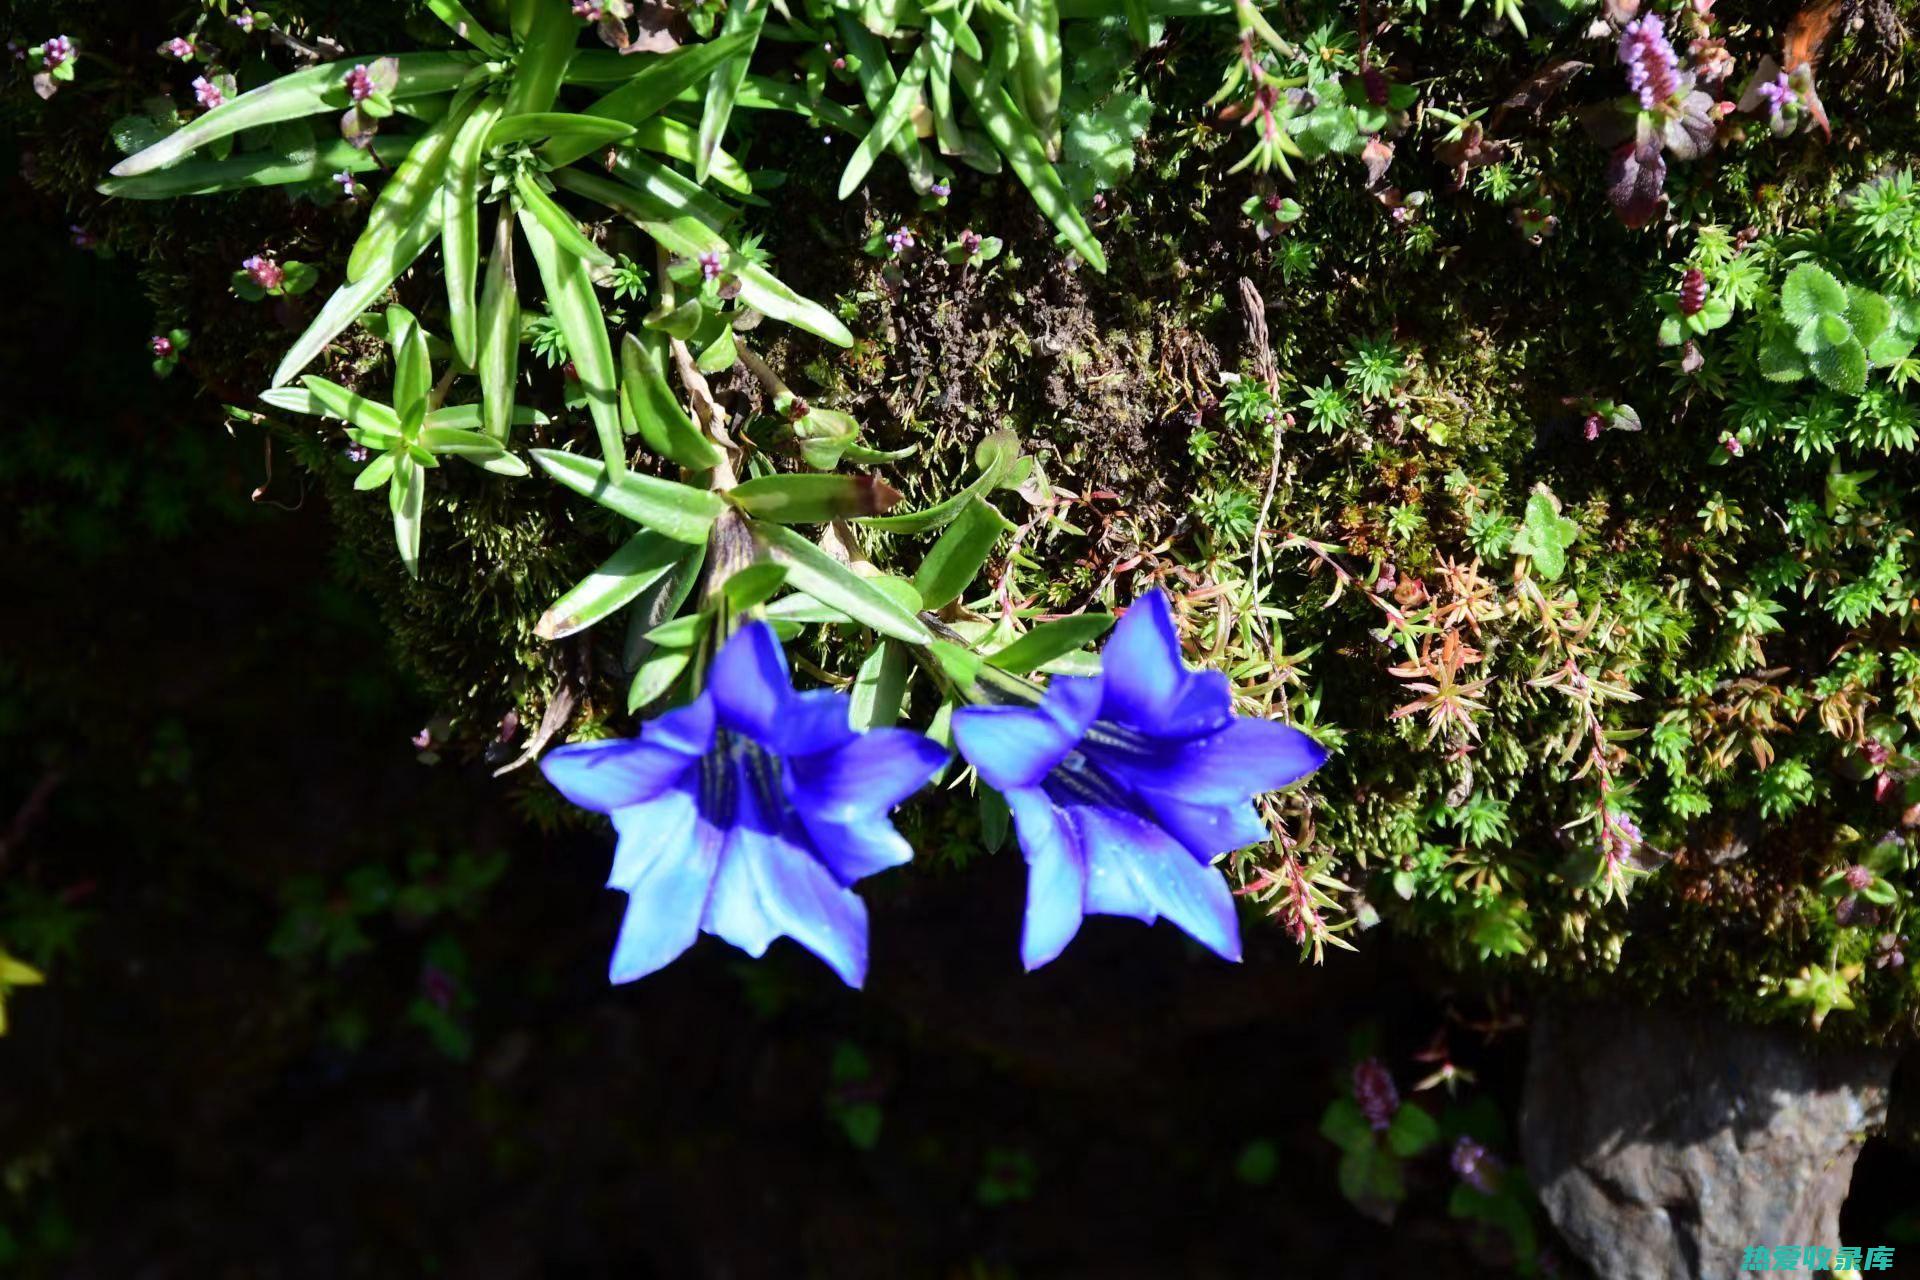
889 120
1413 1130
559 223
1345 1126
476 447
686 235
879 686
547 42
1544 536
377 472
413 188
499 339
656 411
1021 144
876 77
460 231
352 406
753 585
644 560
349 300
1868 314
995 456
744 19
681 633
1842 367
1051 640
468 417
955 559
412 373
464 25
407 495
656 83
309 162
577 309
593 132
1809 293
656 676
660 602
303 93
676 140
675 511
811 499
813 571
1780 358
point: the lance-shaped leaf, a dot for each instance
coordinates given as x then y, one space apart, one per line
464 25
378 472
646 559
812 499
593 131
475 447
412 371
661 601
559 223
351 406
413 189
877 85
308 162
671 510
689 237
669 190
499 353
656 412
813 571
570 294
468 417
744 19
1051 640
1039 70
1017 140
648 90
546 47
304 93
460 230
889 120
995 456
954 560
762 94
879 686
675 140
407 496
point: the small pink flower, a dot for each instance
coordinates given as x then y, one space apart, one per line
83 238
1731 443
589 10
940 190
208 93
359 453
180 47
244 21
348 186
1591 428
360 83
162 347
970 242
1858 877
1778 94
709 266
1374 1091
266 273
900 241
56 51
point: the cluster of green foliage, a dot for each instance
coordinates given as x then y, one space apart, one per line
1602 596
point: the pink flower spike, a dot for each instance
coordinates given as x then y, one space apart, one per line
56 51
266 273
1653 68
162 347
180 47
360 83
709 265
208 93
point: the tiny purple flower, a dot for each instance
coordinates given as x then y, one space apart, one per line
360 83
348 186
360 453
180 47
710 265
1374 1090
56 51
244 20
900 241
1591 428
589 10
83 238
940 190
1619 836
970 242
1778 95
1731 443
162 347
1653 68
208 93
266 273
1477 1167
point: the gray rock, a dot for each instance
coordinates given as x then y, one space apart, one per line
1665 1143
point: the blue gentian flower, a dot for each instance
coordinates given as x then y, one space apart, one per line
748 813
1125 786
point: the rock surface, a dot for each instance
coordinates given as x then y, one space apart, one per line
1665 1143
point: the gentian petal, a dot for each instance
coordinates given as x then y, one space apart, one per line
1014 747
1166 878
1204 706
1056 877
1144 678
1207 830
603 776
666 861
771 885
1245 759
817 720
864 778
749 682
855 850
